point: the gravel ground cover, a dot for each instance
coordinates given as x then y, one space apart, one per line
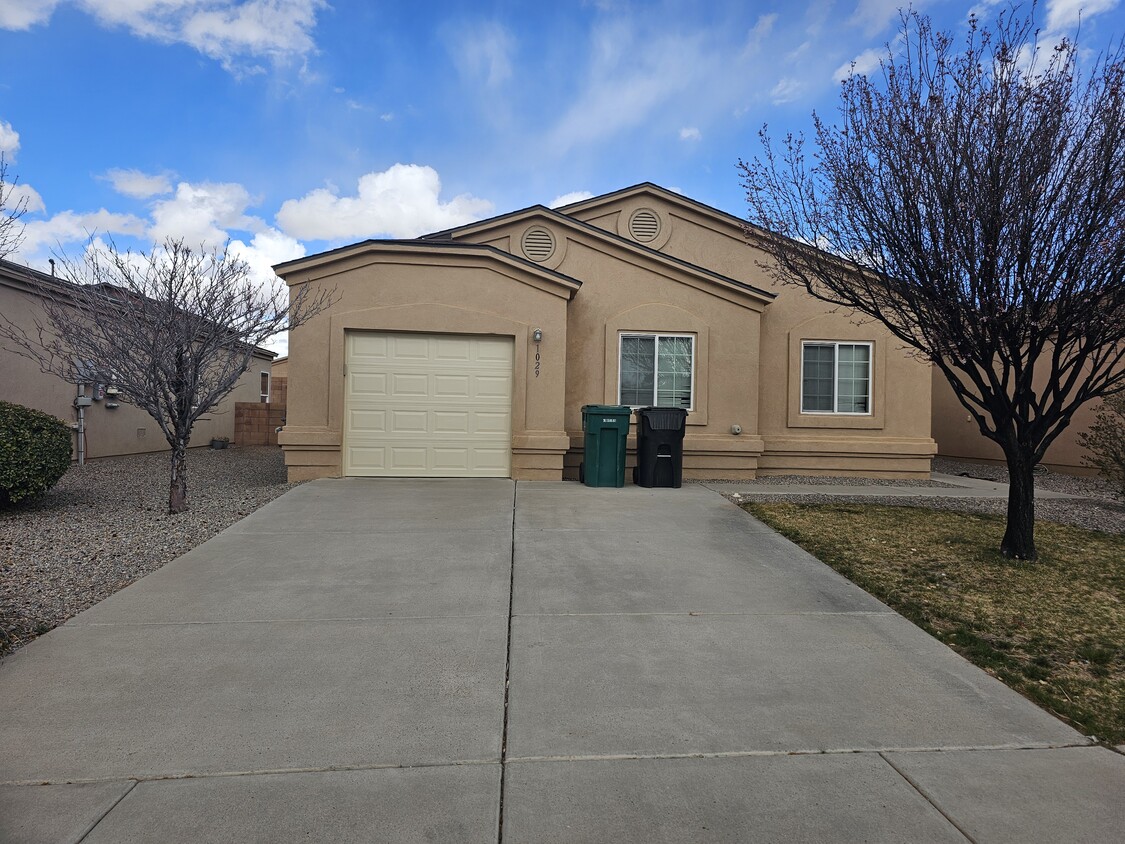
105 525
1094 508
832 480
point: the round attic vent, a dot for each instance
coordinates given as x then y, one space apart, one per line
538 244
644 225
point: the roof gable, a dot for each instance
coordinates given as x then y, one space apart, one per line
624 248
588 208
329 263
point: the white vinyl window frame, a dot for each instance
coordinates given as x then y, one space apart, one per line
813 403
264 382
656 337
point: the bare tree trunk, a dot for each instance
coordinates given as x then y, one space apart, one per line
177 488
1019 537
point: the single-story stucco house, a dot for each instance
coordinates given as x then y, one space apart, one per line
112 426
471 351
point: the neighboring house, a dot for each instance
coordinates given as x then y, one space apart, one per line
472 351
113 427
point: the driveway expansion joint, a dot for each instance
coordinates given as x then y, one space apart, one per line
104 814
928 798
705 613
263 772
507 671
752 754
73 625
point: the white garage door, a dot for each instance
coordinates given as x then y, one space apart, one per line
427 405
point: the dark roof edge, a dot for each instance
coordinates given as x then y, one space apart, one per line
11 271
670 194
439 244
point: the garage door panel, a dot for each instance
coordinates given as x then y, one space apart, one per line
373 384
418 405
451 422
451 458
406 458
409 385
409 422
367 457
491 423
370 347
452 387
453 349
491 387
485 459
410 347
368 421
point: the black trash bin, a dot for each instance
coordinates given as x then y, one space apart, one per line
660 447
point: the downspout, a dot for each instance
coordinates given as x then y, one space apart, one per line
81 408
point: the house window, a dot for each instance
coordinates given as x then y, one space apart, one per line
656 369
265 387
836 378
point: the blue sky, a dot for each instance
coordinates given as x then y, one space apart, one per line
286 127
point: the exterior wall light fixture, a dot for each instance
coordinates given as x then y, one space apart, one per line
537 335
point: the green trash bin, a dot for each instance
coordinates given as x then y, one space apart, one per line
607 430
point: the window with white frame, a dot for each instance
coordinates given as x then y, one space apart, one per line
835 377
265 387
656 369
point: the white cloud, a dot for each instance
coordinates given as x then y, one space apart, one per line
786 90
632 75
139 185
762 29
9 140
24 14
41 236
1066 14
568 198
274 28
266 248
387 117
875 15
26 195
690 133
483 52
226 30
402 201
201 213
861 65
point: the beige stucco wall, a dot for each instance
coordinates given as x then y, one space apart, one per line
957 434
894 441
625 291
388 288
109 431
747 352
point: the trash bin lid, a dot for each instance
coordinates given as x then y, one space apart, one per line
607 408
663 418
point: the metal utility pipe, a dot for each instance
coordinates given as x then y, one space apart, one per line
81 426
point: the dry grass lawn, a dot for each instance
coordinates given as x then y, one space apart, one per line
1053 630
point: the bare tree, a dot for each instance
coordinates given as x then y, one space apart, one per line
973 202
12 207
172 330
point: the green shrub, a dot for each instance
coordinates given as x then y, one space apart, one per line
34 452
1106 442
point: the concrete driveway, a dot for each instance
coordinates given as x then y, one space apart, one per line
535 662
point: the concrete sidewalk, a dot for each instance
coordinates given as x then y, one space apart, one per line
490 661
